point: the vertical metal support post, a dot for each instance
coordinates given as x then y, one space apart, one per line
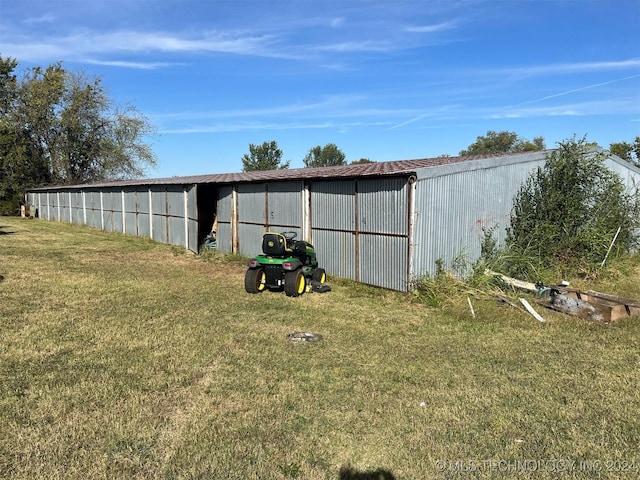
124 213
186 218
306 213
150 214
412 228
101 210
235 241
84 207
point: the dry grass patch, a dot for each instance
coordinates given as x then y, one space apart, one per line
122 358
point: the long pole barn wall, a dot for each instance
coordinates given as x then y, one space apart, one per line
164 213
384 224
358 227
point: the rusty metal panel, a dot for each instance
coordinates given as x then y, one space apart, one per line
108 220
108 200
159 201
192 218
250 237
176 231
142 200
284 200
76 214
251 203
383 206
333 205
117 221
223 237
160 228
131 223
130 199
143 225
63 203
336 252
192 202
93 218
383 261
93 200
193 236
175 201
53 206
223 212
224 204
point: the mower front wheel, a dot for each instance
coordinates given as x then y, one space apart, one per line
319 275
294 283
255 280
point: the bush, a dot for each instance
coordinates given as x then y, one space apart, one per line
567 213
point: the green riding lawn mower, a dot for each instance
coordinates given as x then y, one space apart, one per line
287 264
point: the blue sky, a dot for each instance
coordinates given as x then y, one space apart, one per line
382 79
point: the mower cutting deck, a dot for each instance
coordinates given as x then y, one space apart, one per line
285 263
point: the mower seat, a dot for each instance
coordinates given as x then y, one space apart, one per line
275 245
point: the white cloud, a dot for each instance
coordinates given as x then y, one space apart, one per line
46 18
439 27
566 68
133 65
620 106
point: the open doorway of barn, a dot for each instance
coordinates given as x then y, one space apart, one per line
207 198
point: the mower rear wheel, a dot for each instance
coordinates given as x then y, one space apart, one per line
294 283
319 275
255 280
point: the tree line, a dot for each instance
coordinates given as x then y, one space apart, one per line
59 127
269 156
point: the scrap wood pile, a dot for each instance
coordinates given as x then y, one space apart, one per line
589 305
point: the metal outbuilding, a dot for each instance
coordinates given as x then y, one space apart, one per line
383 224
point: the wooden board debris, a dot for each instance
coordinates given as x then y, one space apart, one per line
530 309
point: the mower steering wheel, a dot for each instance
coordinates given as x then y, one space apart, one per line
289 235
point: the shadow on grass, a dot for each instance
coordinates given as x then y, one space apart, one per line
348 473
3 232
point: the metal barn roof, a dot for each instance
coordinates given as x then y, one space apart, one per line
374 169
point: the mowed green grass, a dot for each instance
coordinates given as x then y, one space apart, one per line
123 358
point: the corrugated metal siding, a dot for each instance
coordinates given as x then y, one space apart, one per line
336 252
333 205
251 207
629 176
126 210
250 237
284 202
192 217
383 261
452 211
383 206
360 229
223 234
333 226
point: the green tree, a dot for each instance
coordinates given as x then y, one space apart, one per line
21 161
627 151
361 161
502 142
569 210
328 156
264 157
58 127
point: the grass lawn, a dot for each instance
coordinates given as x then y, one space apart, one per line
123 358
